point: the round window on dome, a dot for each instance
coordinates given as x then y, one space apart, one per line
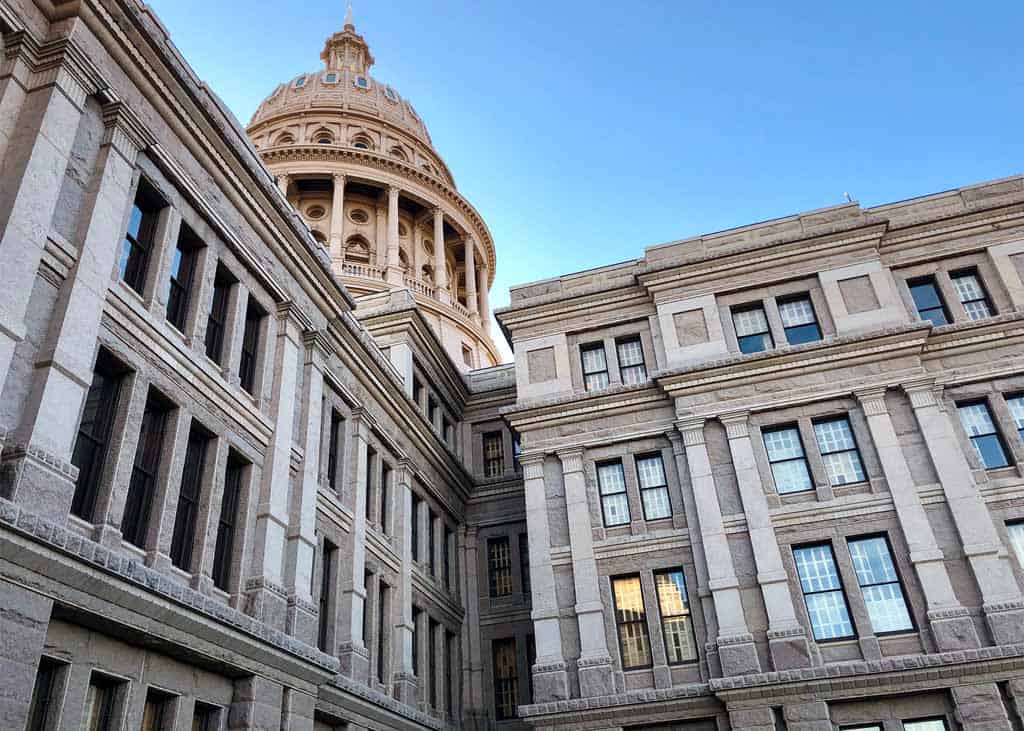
315 212
359 216
300 82
390 94
362 82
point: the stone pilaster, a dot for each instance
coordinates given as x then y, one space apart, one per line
952 627
403 678
24 618
38 466
469 254
550 679
813 716
787 639
595 663
283 180
440 259
472 665
1002 603
980 707
255 704
354 656
753 719
736 651
337 237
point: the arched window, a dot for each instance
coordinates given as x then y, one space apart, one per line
399 154
362 142
323 137
403 259
357 250
402 230
285 138
427 273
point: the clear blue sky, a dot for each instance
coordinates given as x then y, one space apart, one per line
585 131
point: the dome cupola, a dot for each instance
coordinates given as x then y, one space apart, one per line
347 50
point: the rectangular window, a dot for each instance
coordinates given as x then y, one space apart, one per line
972 294
676 626
798 320
326 582
823 592
157 712
415 527
631 620
752 332
1016 533
787 459
632 369
1016 406
431 409
205 717
447 431
506 678
839 451
385 495
928 301
433 628
980 427
223 554
217 317
187 512
499 566
449 677
100 703
417 391
183 267
254 315
926 724
446 567
382 623
416 614
141 489
42 710
138 239
371 469
653 487
611 482
531 660
524 562
94 432
431 543
494 455
595 367
880 585
334 450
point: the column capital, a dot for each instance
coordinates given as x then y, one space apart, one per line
393 191
923 392
872 400
533 465
338 178
736 423
125 131
317 346
437 211
572 459
288 311
692 429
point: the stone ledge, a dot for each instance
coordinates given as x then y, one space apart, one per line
130 569
647 695
385 701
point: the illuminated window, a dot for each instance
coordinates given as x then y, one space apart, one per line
631 361
653 487
494 455
798 320
499 566
880 585
787 459
506 678
988 444
752 332
823 592
595 367
972 294
631 621
839 451
611 481
676 626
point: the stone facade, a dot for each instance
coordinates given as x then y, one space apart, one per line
769 478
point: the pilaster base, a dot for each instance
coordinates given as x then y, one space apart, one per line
789 649
953 629
302 620
405 685
550 683
595 675
1005 621
36 478
738 655
355 661
267 602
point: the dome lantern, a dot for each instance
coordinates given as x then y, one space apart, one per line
347 50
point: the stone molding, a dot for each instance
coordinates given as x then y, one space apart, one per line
38 454
572 460
262 582
125 131
737 424
533 466
872 400
692 429
922 392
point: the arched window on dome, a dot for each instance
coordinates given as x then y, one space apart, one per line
403 259
427 274
357 250
285 138
319 236
399 154
390 94
323 137
362 142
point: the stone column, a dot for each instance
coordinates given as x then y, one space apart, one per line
23 623
472 665
283 180
255 703
266 594
380 242
787 640
338 219
469 254
403 678
394 273
14 77
980 707
595 664
40 471
951 625
736 650
440 666
812 716
440 259
550 680
37 155
1003 606
482 293
354 656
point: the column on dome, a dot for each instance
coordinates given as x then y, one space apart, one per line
338 219
1003 605
440 259
482 296
469 255
394 273
283 179
380 241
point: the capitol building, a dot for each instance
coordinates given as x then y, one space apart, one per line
261 465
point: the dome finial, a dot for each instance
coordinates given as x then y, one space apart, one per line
348 16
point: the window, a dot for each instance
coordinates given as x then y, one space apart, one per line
205 717
611 482
447 432
371 469
972 294
752 332
334 450
216 319
595 367
188 499
41 710
653 487
250 346
139 238
331 78
432 628
506 678
676 626
415 527
798 320
1016 406
300 82
787 459
467 355
416 614
385 482
928 301
1016 533
417 391
139 502
977 421
494 455
156 714
447 563
431 543
839 451
365 621
823 592
926 724
382 623
531 660
449 677
631 361
94 432
362 82
499 566
182 269
880 585
100 701
524 562
326 582
631 620
431 409
223 553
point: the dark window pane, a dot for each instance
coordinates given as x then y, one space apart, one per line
803 334
224 552
94 432
141 488
188 500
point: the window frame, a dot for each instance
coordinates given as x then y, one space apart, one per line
641 367
248 361
594 347
137 247
44 700
996 432
186 513
637 459
180 286
841 590
815 321
985 298
145 474
328 556
510 690
217 314
494 465
98 440
663 618
1017 550
1016 396
855 449
740 339
235 472
334 460
602 494
898 582
795 426
642 622
525 579
932 280
927 719
495 571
